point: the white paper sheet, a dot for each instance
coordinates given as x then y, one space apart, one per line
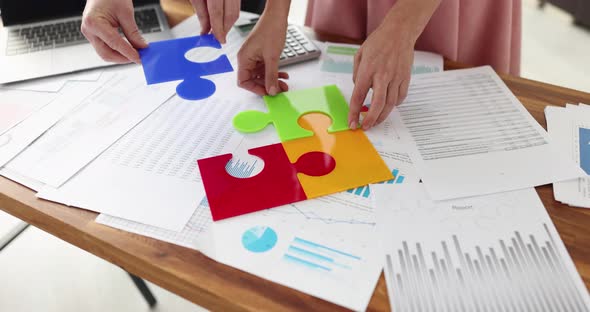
16 106
53 84
471 136
117 106
563 125
498 252
150 175
322 247
190 236
18 138
21 179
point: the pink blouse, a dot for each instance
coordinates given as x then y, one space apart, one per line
475 32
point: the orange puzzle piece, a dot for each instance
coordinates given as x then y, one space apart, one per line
357 161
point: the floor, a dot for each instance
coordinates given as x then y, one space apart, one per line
39 272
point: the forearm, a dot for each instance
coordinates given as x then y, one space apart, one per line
278 9
410 17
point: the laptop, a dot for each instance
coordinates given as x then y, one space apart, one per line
42 38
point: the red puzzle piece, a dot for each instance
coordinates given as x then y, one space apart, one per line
276 185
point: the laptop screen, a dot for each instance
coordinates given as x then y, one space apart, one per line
28 11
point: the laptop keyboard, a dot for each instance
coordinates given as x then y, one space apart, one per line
61 34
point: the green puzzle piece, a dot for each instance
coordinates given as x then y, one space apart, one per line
285 109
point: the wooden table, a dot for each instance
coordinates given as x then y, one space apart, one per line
205 282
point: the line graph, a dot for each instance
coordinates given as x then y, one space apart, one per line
312 214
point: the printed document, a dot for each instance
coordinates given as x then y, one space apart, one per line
569 129
98 121
16 106
470 136
498 252
150 175
15 140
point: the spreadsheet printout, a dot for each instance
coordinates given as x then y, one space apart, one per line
151 174
471 136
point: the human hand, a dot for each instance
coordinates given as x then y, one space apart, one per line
258 59
100 23
383 63
217 16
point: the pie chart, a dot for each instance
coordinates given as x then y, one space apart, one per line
259 239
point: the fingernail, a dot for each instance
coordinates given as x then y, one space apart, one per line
366 126
352 125
272 91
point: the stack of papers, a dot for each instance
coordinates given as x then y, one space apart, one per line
569 129
470 136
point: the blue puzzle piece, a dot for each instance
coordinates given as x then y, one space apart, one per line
164 61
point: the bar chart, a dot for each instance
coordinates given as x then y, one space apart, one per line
319 257
524 273
365 191
241 168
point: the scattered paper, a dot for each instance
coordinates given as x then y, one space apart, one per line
16 106
21 136
498 252
53 84
114 108
469 136
190 236
151 174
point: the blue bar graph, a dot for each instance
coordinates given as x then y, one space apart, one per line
365 191
316 256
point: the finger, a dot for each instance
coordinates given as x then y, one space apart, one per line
231 13
253 86
403 91
283 86
112 38
359 93
271 74
200 7
105 52
215 9
357 60
247 79
283 75
377 103
131 31
391 102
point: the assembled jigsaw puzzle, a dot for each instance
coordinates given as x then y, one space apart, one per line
165 61
319 155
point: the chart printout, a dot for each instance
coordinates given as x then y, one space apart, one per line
472 136
498 252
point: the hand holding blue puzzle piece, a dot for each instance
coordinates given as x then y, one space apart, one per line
165 61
